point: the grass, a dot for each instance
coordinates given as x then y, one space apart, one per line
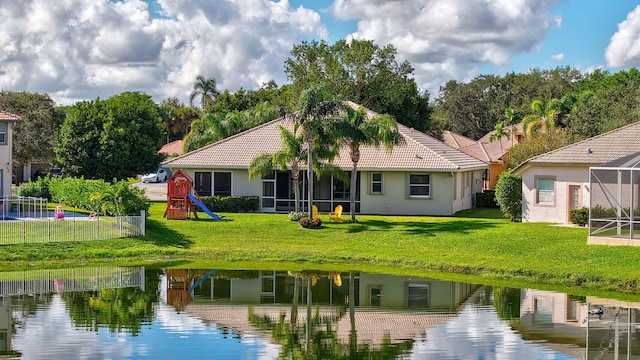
478 244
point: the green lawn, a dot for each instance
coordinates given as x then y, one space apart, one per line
478 243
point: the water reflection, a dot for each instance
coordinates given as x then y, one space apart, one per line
185 313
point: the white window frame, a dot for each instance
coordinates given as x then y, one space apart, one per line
545 197
4 133
411 185
373 182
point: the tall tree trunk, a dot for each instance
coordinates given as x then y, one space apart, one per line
295 176
309 180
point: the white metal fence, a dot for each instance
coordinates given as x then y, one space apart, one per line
77 279
43 230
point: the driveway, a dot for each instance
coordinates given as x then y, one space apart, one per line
154 191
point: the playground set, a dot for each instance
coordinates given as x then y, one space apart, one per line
182 198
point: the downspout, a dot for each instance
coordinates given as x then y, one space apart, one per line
453 191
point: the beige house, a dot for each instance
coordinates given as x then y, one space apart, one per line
420 176
557 182
6 140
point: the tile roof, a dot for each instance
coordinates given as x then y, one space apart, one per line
419 151
174 147
456 140
7 116
597 150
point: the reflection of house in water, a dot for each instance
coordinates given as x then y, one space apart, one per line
393 307
549 316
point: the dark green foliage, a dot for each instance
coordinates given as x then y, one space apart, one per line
509 195
118 198
539 143
233 204
33 136
486 199
579 216
362 72
114 138
507 302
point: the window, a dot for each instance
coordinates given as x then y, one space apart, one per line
376 183
417 296
222 183
203 183
3 133
545 191
419 185
375 295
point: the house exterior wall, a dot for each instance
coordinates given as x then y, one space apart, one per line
450 192
393 291
564 177
5 163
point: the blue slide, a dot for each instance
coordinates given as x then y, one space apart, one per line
199 282
203 207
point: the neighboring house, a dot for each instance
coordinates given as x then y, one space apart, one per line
495 153
557 182
421 176
6 159
456 140
173 148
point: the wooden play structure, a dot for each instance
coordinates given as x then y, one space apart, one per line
179 204
182 198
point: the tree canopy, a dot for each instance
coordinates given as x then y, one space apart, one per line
114 138
362 72
34 136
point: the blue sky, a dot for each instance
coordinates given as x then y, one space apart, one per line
84 49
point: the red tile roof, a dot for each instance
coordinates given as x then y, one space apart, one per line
174 147
9 117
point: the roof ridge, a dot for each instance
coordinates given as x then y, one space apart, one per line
428 149
228 138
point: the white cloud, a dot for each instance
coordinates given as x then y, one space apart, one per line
83 49
451 39
624 48
557 57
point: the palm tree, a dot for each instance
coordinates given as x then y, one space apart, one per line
500 131
356 130
315 111
292 155
206 89
544 116
509 119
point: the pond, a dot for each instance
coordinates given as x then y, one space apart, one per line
133 312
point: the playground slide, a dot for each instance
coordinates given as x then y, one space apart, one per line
199 282
203 207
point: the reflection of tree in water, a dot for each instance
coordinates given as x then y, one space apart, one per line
116 309
316 338
507 302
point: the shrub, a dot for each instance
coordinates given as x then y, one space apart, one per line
233 204
118 198
295 216
509 195
305 222
486 199
579 216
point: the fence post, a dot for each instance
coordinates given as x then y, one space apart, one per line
143 222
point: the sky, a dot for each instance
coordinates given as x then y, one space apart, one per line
77 50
